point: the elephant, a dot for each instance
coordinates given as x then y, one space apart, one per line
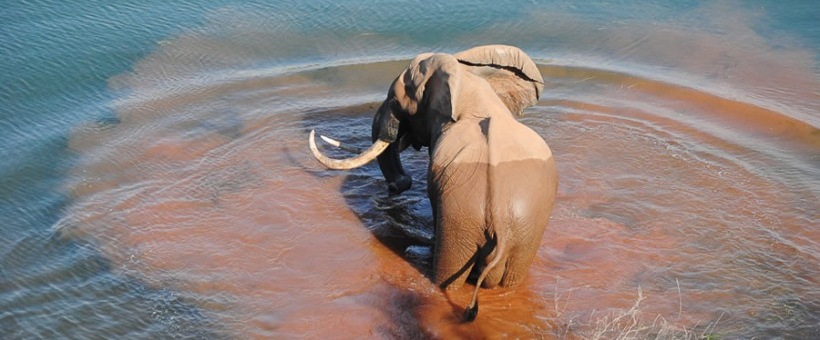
491 179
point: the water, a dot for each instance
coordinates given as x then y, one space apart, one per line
156 180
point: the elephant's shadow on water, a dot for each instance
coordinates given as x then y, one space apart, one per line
403 223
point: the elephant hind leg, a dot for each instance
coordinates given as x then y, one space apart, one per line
456 250
518 265
453 265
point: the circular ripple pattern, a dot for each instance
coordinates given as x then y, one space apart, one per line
669 196
687 199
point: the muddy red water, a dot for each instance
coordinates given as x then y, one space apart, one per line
694 203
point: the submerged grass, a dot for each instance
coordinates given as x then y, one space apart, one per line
629 324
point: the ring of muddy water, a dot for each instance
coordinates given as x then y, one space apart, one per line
700 202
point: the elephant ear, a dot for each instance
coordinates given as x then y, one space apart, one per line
510 72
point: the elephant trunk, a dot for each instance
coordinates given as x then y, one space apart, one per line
386 125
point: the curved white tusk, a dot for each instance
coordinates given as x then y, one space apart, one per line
339 144
348 163
330 141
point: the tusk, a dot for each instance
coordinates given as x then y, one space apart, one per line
348 163
331 141
339 145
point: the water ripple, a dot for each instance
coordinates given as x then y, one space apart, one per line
682 175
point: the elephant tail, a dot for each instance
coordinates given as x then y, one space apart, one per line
501 244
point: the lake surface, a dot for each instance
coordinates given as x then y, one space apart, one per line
156 182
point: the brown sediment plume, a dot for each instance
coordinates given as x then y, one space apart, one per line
677 103
203 186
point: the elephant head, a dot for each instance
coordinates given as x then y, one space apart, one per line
422 100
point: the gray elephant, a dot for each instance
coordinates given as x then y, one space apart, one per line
491 180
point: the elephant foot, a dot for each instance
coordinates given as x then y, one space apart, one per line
398 186
470 313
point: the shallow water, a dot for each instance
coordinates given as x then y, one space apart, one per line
181 200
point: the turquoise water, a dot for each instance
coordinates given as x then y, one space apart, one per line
71 68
